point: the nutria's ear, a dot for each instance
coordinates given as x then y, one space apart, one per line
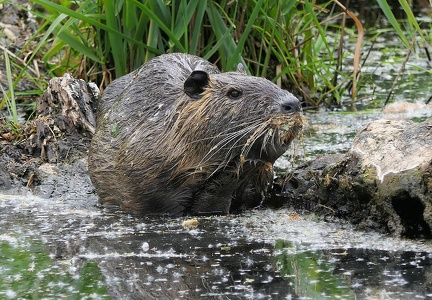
196 83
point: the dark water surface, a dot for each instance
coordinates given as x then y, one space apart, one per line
69 249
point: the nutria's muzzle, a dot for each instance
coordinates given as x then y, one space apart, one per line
273 137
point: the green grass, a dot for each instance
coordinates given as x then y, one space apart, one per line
298 44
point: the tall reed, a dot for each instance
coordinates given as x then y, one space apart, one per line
278 39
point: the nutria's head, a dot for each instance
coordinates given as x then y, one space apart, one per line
232 115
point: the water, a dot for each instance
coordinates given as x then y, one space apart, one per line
71 249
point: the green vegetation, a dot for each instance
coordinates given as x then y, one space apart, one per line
298 44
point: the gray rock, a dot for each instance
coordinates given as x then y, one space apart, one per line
384 182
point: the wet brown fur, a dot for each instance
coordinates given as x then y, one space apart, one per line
157 150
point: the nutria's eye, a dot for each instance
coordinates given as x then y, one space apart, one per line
234 93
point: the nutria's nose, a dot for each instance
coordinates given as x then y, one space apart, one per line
290 105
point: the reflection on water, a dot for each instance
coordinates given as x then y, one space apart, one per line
71 249
311 273
357 273
29 271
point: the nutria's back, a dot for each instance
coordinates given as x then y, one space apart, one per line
177 136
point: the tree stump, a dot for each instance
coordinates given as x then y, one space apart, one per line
65 119
60 134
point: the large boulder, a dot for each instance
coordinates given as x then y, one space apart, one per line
384 182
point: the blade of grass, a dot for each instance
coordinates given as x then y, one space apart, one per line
10 93
199 15
5 97
152 38
161 10
185 14
223 34
115 40
235 57
223 39
130 16
411 18
77 44
161 24
391 18
270 46
309 8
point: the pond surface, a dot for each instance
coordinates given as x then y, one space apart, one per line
70 249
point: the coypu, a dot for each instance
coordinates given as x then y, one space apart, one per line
178 137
